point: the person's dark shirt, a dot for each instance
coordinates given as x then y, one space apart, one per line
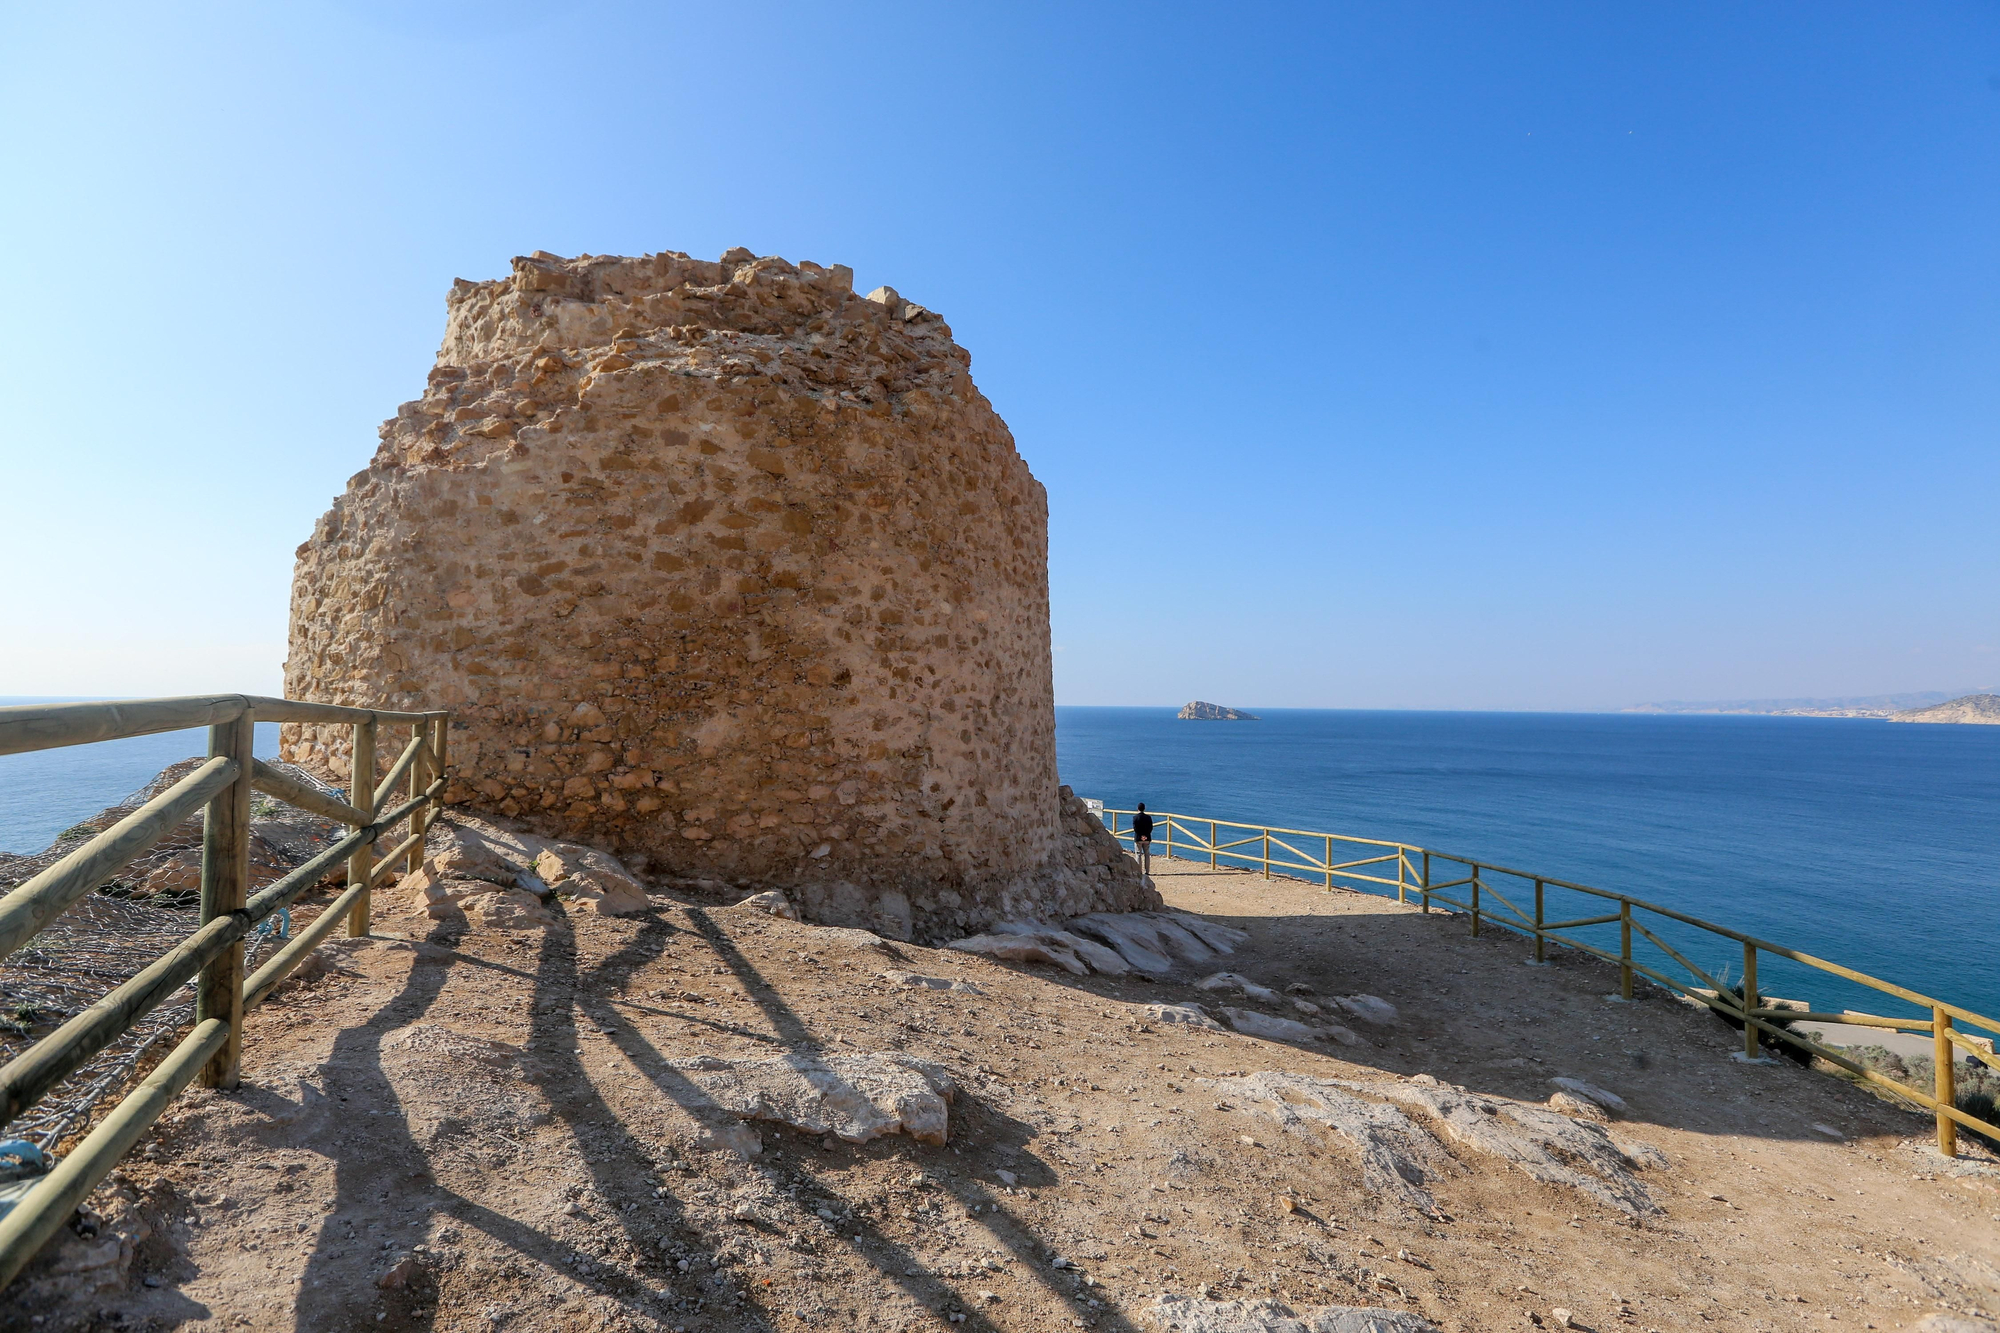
1142 825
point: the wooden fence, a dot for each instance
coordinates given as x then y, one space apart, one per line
1407 869
212 956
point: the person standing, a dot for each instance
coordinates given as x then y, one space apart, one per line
1142 839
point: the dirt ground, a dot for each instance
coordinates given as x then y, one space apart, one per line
473 1129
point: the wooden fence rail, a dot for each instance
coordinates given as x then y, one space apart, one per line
212 957
1218 839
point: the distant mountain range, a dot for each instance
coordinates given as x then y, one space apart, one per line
1858 705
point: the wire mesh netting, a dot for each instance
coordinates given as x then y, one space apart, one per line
110 935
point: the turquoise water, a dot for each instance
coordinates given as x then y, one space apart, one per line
44 792
1872 844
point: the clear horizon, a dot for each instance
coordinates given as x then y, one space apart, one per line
1455 359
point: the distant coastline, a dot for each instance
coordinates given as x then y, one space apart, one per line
1978 709
1881 706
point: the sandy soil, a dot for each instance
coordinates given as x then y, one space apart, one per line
483 1121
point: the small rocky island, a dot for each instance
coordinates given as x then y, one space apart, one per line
1970 708
1201 712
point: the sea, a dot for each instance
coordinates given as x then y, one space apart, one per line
1868 843
1872 844
44 792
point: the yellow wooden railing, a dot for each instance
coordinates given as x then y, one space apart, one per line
1407 869
212 957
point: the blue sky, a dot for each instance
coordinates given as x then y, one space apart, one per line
1444 356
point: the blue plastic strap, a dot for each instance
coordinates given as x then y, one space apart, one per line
30 1156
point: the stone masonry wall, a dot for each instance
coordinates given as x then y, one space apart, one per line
725 568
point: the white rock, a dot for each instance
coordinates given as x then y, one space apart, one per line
511 909
1254 1024
1398 1156
1951 1323
1590 1092
1367 1008
918 981
1190 1314
1221 938
594 878
1181 941
852 1097
1102 959
1187 1015
1232 981
1096 956
1132 940
1571 1104
484 903
1544 1144
773 902
739 1139
1154 942
848 937
1024 949
464 847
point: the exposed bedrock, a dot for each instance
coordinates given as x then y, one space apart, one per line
723 567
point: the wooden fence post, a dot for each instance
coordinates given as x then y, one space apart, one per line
1946 1081
1267 853
440 742
1624 949
419 780
1329 861
225 887
1540 940
1170 838
1475 902
1402 874
1427 882
1211 844
1749 1000
361 795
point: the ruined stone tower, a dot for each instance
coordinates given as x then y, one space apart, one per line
725 566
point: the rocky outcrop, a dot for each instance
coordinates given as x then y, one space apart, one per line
728 570
482 874
854 1098
1201 712
1974 708
1111 944
1191 1314
1399 1155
